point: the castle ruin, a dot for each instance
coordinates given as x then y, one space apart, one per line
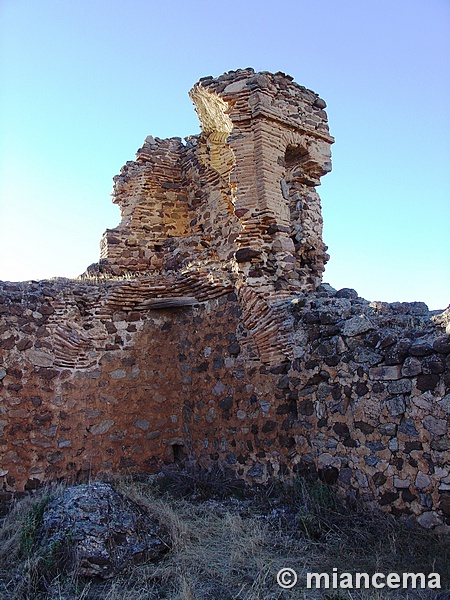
205 332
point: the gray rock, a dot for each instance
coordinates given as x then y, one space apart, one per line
362 354
326 287
422 481
347 293
100 531
388 373
400 386
319 103
442 344
411 367
421 348
389 429
445 403
435 426
429 520
246 254
408 427
356 325
256 471
396 406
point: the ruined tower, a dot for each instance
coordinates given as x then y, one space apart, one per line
220 343
239 197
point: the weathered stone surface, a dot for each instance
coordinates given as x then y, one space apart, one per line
411 367
435 426
422 481
100 531
445 403
429 520
385 373
356 325
442 344
347 293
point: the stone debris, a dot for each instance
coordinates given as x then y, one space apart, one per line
99 532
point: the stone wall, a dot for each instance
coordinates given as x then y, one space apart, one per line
207 334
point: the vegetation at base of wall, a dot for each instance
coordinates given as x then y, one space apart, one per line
30 526
229 543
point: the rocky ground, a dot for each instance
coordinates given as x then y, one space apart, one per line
201 535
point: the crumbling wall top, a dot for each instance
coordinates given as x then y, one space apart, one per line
274 95
240 197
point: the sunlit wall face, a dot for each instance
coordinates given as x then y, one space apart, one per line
84 83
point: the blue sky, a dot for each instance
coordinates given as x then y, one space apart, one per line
83 83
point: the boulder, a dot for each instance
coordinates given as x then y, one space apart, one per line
100 531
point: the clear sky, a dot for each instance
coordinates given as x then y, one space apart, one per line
83 82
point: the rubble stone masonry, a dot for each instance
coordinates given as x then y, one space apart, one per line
205 332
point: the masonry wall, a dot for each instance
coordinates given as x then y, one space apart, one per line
92 386
241 196
205 332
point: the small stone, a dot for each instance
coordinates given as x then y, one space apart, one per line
234 349
102 427
64 444
283 244
429 520
408 428
388 429
427 382
393 445
423 402
118 374
218 389
433 364
397 354
362 355
435 426
24 344
443 402
356 325
319 103
39 358
401 483
421 348
400 386
246 254
326 459
361 478
442 344
327 289
379 479
347 293
142 424
396 406
411 367
385 373
441 444
235 87
256 471
422 481
211 415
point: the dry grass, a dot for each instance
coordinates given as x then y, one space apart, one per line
227 547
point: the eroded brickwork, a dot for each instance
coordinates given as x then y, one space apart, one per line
221 343
240 196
